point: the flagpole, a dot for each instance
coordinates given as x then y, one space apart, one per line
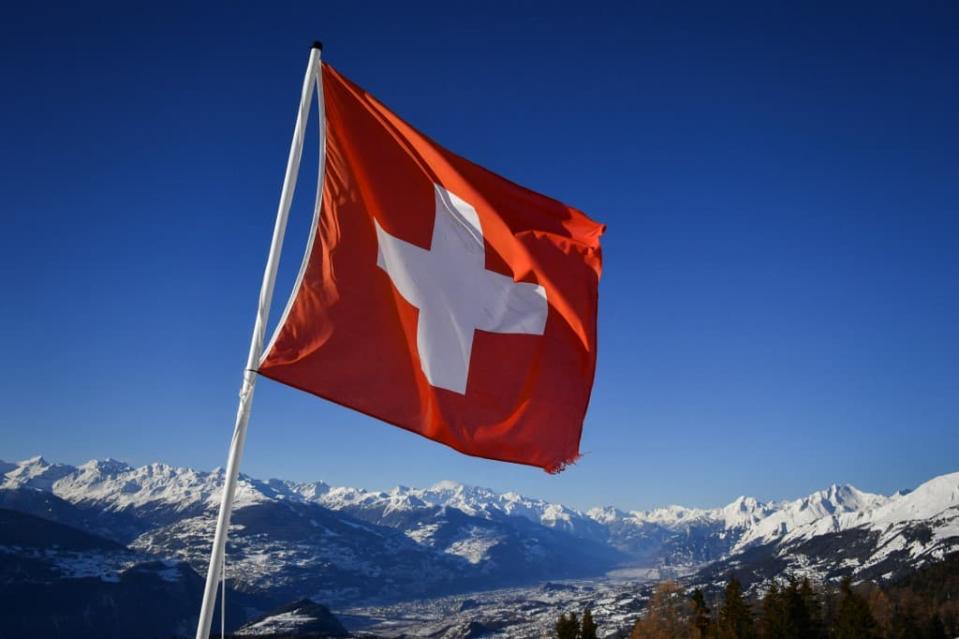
256 345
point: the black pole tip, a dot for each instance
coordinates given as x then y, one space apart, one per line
317 45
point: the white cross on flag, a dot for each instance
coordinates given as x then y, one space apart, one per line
454 292
440 297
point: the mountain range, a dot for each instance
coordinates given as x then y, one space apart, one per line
346 546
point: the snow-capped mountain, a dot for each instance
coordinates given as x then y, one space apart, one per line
289 539
823 509
343 543
905 531
302 618
57 580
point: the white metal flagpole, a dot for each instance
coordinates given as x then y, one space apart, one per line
256 345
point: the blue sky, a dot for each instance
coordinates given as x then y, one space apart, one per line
780 301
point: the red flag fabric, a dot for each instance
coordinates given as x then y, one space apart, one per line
440 297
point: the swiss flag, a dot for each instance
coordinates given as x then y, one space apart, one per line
440 297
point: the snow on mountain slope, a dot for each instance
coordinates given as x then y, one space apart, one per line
927 501
156 493
58 580
37 473
311 538
867 537
823 510
846 508
348 546
40 551
745 512
742 513
158 489
472 500
293 549
160 495
924 522
302 618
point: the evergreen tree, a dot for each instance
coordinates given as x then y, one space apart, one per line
813 609
699 617
567 627
785 614
853 618
798 624
735 617
588 630
773 620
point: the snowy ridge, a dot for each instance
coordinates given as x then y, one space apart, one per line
301 618
821 512
472 500
163 495
116 526
929 500
117 486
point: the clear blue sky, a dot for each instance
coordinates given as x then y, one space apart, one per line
780 303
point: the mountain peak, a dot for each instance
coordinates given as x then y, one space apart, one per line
37 473
107 466
161 488
605 514
300 618
447 485
928 500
